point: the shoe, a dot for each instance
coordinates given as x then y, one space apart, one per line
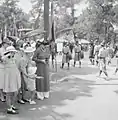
32 102
13 112
61 67
46 95
21 102
14 108
25 100
40 96
3 100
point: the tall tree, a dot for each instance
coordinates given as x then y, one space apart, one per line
12 17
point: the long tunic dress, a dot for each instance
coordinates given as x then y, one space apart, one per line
2 72
77 53
91 52
66 51
102 55
40 56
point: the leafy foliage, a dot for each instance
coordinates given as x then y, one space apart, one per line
12 16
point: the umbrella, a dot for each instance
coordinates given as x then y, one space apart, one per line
34 33
13 38
63 31
60 40
24 30
84 41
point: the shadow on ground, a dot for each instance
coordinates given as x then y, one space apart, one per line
76 71
67 90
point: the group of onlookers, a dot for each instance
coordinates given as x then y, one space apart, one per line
23 67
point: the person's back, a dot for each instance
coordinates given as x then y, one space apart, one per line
102 53
77 48
65 49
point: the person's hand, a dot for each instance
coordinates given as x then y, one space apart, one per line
39 77
32 76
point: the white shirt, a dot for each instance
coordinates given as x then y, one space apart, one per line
102 52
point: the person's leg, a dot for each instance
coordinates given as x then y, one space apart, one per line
2 96
80 64
19 97
10 109
14 99
23 95
97 62
62 65
101 67
100 72
52 60
40 96
68 65
74 63
8 101
105 72
32 97
104 68
90 60
116 70
93 61
46 95
116 67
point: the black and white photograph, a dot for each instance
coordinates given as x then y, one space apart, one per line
58 59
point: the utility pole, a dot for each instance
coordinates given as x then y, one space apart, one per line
46 18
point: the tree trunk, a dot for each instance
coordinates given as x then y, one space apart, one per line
46 18
5 31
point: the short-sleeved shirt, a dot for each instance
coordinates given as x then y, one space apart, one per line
77 48
102 53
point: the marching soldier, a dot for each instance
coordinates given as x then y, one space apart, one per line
102 56
91 53
110 52
53 50
77 54
66 55
116 55
96 52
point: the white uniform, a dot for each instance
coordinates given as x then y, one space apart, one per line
102 55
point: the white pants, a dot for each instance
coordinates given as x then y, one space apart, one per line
42 95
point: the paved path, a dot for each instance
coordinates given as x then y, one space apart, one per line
80 96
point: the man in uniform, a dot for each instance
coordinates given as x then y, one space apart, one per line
102 56
77 54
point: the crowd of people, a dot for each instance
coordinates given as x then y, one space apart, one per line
68 51
101 54
23 67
